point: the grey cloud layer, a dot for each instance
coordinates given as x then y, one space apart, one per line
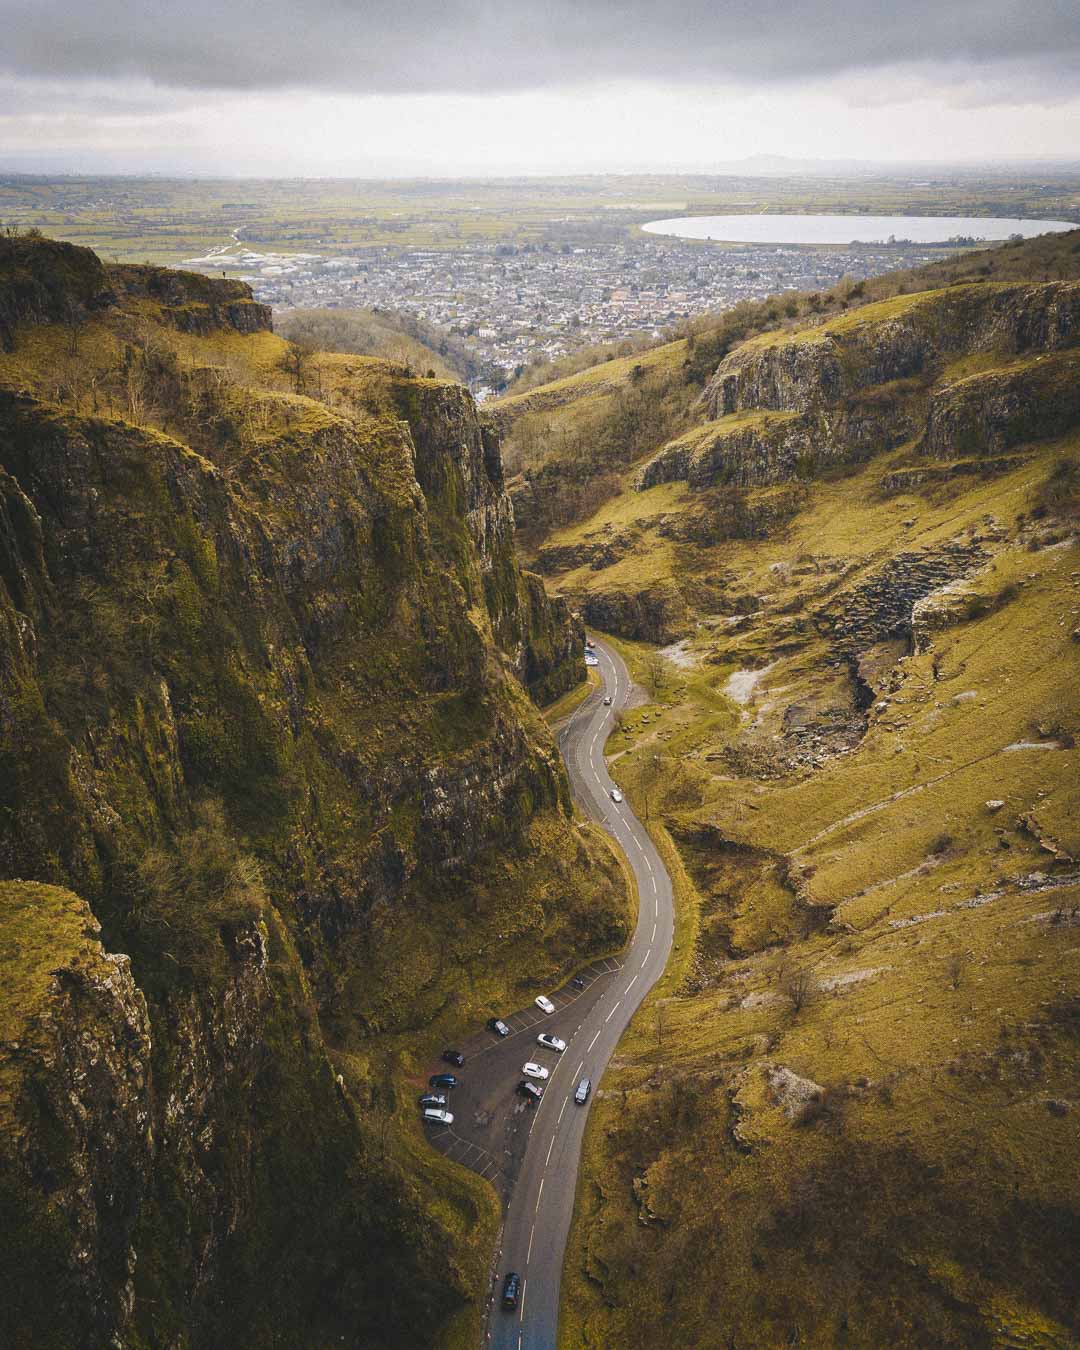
478 45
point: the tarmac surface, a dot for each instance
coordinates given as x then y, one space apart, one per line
531 1153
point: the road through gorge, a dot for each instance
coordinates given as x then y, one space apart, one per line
541 1202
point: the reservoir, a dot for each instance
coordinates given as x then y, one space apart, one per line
782 229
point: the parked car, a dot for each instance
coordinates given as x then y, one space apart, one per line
499 1027
434 1115
591 660
581 1095
577 982
433 1099
616 795
511 1290
532 1092
589 643
551 1042
531 1070
544 1003
454 1057
443 1080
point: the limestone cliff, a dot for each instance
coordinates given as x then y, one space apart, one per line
264 672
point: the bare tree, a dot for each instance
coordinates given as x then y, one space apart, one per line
296 362
73 322
657 673
649 779
799 985
955 967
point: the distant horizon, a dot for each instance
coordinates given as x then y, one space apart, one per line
724 168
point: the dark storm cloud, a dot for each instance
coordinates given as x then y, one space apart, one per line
472 46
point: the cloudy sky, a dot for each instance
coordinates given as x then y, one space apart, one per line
369 87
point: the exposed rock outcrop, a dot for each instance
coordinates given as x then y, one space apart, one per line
75 1119
656 613
988 413
882 605
906 337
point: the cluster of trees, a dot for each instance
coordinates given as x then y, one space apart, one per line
402 338
574 465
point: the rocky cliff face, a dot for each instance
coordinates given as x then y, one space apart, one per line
263 714
787 406
75 1119
906 337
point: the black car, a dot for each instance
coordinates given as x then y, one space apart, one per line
511 1289
454 1057
532 1092
498 1026
577 982
443 1080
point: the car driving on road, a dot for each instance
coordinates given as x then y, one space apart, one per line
607 700
511 1289
544 1004
434 1115
581 1095
531 1070
616 795
551 1042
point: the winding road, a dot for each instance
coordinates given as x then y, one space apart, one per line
541 1201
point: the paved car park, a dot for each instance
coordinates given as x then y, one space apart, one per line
491 1120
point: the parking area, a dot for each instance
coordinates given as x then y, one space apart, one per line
491 1121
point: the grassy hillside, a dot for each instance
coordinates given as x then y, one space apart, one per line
849 1113
563 439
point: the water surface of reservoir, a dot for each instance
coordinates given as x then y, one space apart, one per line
782 229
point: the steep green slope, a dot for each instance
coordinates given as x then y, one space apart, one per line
568 440
848 1116
264 662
